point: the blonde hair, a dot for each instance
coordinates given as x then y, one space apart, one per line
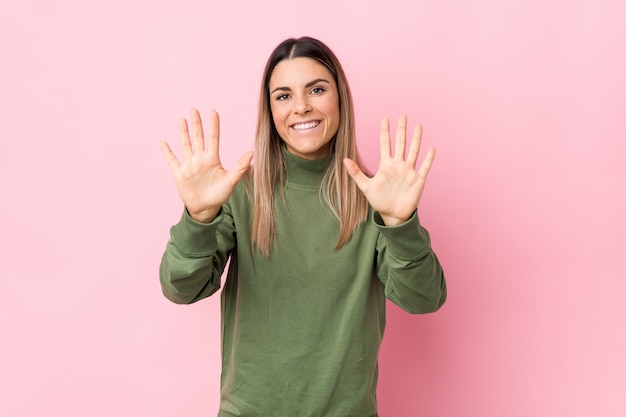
337 189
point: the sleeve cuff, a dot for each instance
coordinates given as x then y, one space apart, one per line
193 237
408 240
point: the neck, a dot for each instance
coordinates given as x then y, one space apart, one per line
304 171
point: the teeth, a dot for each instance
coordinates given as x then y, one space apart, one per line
302 126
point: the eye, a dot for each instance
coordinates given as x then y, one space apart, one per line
318 90
281 97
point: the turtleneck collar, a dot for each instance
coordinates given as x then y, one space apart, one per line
304 171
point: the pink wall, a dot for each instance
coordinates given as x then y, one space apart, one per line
524 100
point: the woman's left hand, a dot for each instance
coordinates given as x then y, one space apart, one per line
395 191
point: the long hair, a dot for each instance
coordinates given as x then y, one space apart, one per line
337 189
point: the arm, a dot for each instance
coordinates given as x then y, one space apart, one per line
406 264
200 243
195 258
408 267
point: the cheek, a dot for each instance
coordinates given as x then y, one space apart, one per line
332 109
274 117
277 116
278 120
334 114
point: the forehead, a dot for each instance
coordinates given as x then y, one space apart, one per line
297 72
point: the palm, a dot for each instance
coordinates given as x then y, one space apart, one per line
202 182
395 191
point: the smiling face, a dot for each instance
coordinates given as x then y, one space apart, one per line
305 106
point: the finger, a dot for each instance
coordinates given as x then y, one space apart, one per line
414 148
213 144
400 137
185 142
196 131
169 156
361 180
385 151
241 167
427 164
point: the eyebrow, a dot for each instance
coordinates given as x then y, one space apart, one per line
307 85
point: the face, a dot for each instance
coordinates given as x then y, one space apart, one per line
305 106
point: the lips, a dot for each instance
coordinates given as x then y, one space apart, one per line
305 125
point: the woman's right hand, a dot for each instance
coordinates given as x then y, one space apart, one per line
202 182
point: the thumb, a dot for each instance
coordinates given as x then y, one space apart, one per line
241 167
357 175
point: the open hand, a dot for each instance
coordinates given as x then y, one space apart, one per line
395 191
202 182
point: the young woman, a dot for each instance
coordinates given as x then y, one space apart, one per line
315 245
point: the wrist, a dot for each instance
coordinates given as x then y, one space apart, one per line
392 221
203 216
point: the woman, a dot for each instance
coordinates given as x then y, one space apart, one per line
315 245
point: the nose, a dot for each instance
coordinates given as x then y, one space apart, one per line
301 105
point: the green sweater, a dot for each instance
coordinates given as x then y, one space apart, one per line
301 330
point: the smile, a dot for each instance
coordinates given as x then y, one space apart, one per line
307 125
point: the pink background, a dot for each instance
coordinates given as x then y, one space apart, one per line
524 100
